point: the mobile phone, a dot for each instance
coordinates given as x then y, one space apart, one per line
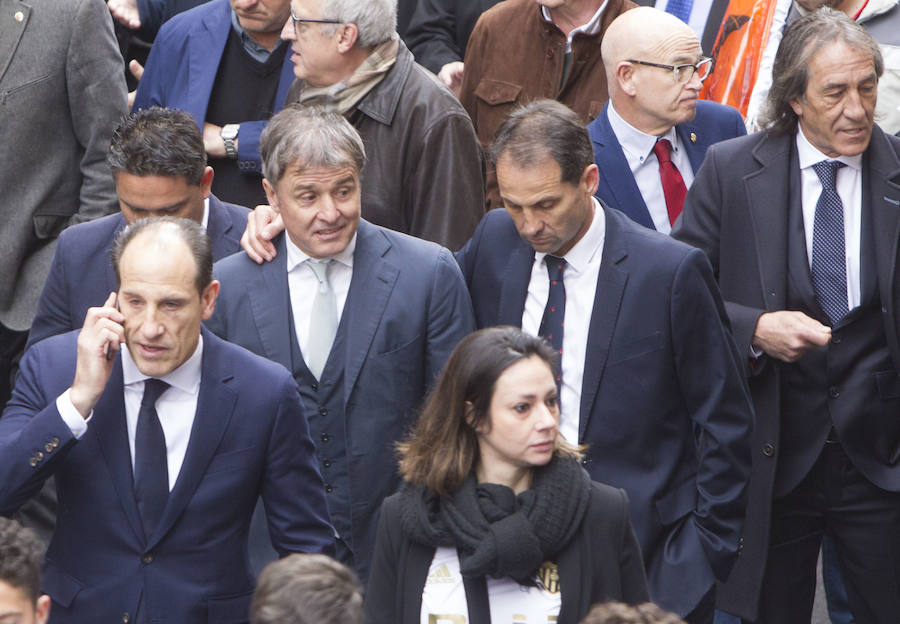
110 352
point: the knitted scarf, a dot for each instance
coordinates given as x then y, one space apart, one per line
496 532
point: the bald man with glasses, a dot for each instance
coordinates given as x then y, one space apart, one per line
653 133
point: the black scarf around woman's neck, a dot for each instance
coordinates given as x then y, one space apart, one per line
496 532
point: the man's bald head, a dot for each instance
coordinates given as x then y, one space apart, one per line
647 97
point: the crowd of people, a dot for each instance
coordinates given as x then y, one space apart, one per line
449 312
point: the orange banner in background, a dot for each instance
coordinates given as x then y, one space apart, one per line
738 52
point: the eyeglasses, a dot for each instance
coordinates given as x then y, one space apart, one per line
683 73
297 20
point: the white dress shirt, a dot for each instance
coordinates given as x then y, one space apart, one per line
303 284
849 188
699 14
591 28
580 280
638 149
176 407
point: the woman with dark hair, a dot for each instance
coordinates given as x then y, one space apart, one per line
497 521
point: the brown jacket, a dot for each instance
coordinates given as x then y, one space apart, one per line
515 56
424 172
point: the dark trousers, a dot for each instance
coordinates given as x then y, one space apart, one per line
12 346
864 522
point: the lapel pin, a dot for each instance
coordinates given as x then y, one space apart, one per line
693 137
19 16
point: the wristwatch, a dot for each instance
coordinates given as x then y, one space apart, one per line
229 134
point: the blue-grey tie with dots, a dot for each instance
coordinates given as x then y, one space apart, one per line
829 263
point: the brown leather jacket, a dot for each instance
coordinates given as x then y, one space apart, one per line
515 56
424 172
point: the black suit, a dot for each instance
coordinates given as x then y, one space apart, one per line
743 210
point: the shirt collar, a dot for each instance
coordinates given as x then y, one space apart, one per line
296 256
255 50
638 143
186 377
591 28
809 154
584 251
205 221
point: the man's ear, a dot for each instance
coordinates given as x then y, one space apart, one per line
625 78
206 181
42 609
208 299
348 34
271 195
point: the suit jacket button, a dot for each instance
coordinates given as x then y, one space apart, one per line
147 559
54 442
768 449
126 618
324 437
315 386
49 447
323 411
33 462
38 455
329 489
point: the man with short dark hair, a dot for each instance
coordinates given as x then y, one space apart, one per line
159 167
800 222
160 449
364 317
619 613
307 589
653 133
632 313
21 601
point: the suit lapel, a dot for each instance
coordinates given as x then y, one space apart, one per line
607 301
768 197
271 313
11 30
370 287
206 44
882 194
215 406
695 142
108 423
616 175
514 284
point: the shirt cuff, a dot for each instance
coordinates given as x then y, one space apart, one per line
755 353
73 419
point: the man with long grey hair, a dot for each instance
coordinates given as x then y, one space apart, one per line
800 222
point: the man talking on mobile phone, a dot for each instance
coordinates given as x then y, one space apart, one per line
161 452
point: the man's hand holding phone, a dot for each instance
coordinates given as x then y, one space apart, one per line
101 337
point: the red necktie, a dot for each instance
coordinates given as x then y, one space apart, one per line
672 182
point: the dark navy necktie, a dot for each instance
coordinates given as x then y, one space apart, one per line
553 321
829 264
680 9
151 471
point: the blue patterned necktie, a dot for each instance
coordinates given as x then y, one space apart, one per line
552 323
680 9
829 264
151 466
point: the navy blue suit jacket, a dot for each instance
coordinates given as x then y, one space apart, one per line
81 275
182 66
714 122
244 443
664 406
406 310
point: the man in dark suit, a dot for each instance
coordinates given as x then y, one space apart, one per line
801 225
650 376
160 452
160 169
653 133
363 316
61 90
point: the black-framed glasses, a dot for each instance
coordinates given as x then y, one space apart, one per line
297 20
683 73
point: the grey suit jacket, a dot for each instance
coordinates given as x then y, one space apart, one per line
62 91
